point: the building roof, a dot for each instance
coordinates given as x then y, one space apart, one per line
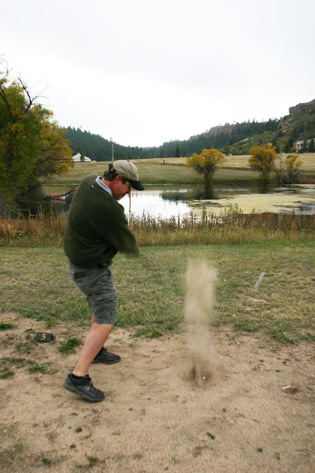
77 158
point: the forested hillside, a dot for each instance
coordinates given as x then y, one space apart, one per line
98 148
237 138
240 137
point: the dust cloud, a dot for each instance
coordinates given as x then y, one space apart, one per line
202 359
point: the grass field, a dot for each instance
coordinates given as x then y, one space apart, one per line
35 283
173 170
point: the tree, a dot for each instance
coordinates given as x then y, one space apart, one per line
291 166
206 162
177 151
289 145
32 145
263 159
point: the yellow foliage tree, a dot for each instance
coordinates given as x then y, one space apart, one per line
206 162
291 167
263 159
32 146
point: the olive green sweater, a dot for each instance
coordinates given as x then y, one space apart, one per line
96 226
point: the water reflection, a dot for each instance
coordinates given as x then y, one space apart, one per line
168 201
156 203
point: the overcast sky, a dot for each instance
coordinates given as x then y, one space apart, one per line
143 72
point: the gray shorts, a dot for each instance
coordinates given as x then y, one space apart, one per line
98 285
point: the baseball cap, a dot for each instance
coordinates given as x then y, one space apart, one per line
129 171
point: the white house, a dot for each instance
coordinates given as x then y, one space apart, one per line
77 158
300 144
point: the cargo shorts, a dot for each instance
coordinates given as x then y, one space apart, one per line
98 285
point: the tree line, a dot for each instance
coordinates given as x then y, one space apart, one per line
237 138
100 149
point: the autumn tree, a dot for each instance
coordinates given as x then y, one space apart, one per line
292 163
206 162
32 145
263 159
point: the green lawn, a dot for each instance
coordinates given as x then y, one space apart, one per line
35 283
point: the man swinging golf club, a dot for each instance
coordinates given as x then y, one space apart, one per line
96 230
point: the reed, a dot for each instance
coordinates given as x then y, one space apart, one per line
32 231
231 227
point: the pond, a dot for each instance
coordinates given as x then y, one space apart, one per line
166 201
169 201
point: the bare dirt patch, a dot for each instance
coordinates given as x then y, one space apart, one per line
256 413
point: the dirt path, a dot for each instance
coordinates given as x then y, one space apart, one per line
155 418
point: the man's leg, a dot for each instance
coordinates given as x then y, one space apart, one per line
97 284
94 341
103 356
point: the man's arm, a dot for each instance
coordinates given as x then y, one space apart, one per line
116 232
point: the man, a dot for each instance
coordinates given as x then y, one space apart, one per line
96 230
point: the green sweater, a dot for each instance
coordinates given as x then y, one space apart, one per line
96 226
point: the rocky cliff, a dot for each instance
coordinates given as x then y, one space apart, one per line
302 107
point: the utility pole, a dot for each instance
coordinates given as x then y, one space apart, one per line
111 140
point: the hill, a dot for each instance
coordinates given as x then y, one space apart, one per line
98 148
236 138
284 133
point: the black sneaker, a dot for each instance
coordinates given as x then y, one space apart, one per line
84 387
104 356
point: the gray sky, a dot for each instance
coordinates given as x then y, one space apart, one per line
147 71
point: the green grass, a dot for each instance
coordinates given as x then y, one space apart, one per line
6 374
6 364
47 461
6 326
25 347
69 346
151 288
92 460
37 367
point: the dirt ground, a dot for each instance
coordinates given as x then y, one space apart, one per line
254 414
